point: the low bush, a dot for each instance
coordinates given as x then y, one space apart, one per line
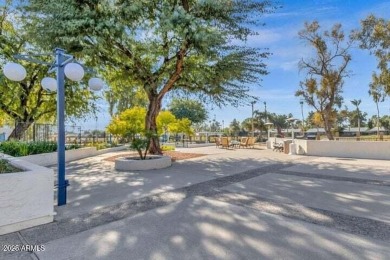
101 145
73 146
6 167
17 148
167 148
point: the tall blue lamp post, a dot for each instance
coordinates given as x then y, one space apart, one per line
64 65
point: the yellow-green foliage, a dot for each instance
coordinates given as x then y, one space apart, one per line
181 126
167 148
128 123
164 120
132 121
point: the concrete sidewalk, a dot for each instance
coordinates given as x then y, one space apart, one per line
230 204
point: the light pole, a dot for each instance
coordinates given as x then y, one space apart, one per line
292 120
253 128
268 125
64 65
265 111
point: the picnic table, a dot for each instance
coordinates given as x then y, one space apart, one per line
234 143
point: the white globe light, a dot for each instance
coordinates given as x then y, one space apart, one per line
74 71
49 84
95 84
14 71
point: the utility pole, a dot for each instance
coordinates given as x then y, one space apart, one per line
265 112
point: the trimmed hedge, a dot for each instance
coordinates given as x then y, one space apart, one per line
17 148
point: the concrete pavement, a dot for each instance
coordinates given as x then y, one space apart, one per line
237 204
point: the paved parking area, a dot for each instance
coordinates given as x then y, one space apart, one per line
230 204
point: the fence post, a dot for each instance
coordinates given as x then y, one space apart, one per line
34 132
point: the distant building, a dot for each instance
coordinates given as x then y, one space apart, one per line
5 131
316 130
351 131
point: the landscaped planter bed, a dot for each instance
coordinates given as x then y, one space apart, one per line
46 159
151 162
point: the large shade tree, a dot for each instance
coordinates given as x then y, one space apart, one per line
188 108
26 102
325 72
162 45
374 35
123 93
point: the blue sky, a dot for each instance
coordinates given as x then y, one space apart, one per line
280 35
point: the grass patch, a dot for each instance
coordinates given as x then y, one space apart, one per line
6 167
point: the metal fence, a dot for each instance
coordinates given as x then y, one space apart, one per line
47 132
74 134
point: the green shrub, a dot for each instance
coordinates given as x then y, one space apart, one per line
17 148
6 167
99 145
140 145
73 146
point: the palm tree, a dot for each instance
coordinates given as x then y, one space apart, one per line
377 96
279 121
356 103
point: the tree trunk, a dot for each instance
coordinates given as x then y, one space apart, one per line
279 130
327 128
377 121
358 122
151 123
19 130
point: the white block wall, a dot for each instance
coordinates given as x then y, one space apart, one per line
348 149
26 198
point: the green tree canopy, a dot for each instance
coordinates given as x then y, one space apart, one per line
235 127
374 35
161 45
26 102
123 92
188 108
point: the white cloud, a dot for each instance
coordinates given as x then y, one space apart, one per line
289 65
274 94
